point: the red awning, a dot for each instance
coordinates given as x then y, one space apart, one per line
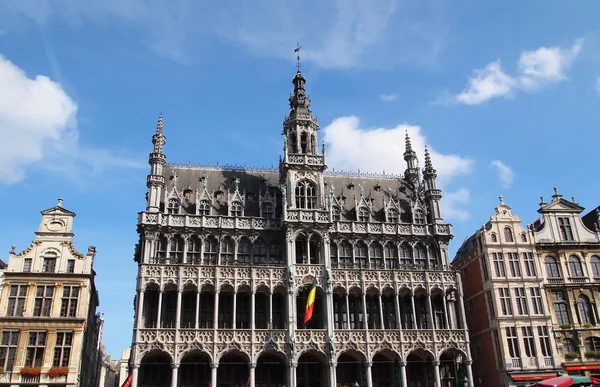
562 381
127 381
583 368
532 377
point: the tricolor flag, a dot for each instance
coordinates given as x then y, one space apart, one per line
128 381
310 303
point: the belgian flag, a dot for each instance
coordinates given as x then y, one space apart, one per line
310 303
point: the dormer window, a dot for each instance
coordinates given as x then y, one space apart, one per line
267 210
523 237
566 232
204 207
508 235
392 215
236 209
306 195
494 238
173 206
363 214
335 213
419 217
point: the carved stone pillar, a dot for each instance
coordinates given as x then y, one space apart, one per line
159 313
213 373
270 308
140 309
235 294
134 375
196 324
446 316
216 313
403 373
470 381
178 310
429 310
369 376
347 311
381 317
436 373
253 309
397 307
175 369
414 311
252 372
332 375
292 373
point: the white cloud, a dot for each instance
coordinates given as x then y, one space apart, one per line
379 149
38 126
388 97
535 70
335 34
505 173
452 203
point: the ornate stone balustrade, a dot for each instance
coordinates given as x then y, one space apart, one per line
348 227
380 279
304 159
208 221
312 216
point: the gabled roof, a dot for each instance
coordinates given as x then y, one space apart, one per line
561 205
58 209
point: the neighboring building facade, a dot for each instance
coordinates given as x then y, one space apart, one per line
570 254
227 257
48 309
123 366
2 269
507 314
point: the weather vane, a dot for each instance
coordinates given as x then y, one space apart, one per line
297 50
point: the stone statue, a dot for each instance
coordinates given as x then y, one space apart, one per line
331 347
291 343
283 190
329 276
291 276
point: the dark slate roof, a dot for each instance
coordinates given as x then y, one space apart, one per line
467 245
591 219
346 188
3 265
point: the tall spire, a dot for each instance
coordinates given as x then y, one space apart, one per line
409 154
428 164
159 139
299 101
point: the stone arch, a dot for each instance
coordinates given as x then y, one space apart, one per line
195 368
188 305
319 314
233 351
168 312
452 366
419 363
271 368
385 369
308 246
155 368
152 351
350 367
312 369
233 367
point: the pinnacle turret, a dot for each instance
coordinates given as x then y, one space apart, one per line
428 164
159 139
409 154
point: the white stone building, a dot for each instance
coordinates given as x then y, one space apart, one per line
227 256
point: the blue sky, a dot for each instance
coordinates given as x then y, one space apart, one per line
506 93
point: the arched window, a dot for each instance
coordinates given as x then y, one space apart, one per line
267 210
569 346
575 267
236 209
392 215
306 195
333 254
419 217
303 142
161 250
363 214
243 254
376 255
434 261
227 251
204 207
595 261
173 206
275 253
390 256
259 252
584 308
494 237
360 254
211 248
193 251
552 270
405 255
345 254
420 256
335 213
176 249
523 237
508 234
592 343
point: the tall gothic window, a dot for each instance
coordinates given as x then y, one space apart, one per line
584 308
405 255
210 250
259 251
204 207
376 255
267 210
304 142
236 209
552 270
390 255
575 267
306 195
243 255
335 211
227 251
363 214
420 256
176 249
275 253
360 254
434 260
173 206
392 215
595 261
419 217
193 252
345 254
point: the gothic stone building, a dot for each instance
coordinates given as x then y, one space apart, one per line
228 255
48 309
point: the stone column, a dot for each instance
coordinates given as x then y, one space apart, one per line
397 307
414 311
364 308
470 381
213 374
369 376
292 373
178 310
430 310
270 309
381 317
252 372
140 311
403 373
436 373
158 317
446 317
347 311
134 375
253 309
234 308
197 323
216 312
175 369
332 375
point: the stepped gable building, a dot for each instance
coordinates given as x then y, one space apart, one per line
570 254
509 321
48 322
227 257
